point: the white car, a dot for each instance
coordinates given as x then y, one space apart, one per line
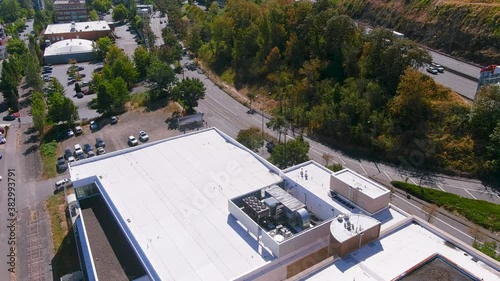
71 159
60 185
70 133
143 136
100 150
2 140
78 150
438 67
132 141
78 130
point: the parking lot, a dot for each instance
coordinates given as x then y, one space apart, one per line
155 124
59 72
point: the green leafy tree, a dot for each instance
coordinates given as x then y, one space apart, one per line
277 123
102 47
11 10
112 95
124 67
120 12
251 138
290 153
16 46
161 77
32 72
62 109
56 86
142 60
102 6
38 111
93 16
485 112
188 92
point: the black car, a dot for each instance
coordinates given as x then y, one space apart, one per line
99 143
61 164
9 118
68 153
87 147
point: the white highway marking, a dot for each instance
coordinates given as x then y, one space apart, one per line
470 193
412 181
224 106
363 169
314 150
440 187
385 173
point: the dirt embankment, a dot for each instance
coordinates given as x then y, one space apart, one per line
467 29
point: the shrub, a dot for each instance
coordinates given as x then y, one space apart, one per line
483 213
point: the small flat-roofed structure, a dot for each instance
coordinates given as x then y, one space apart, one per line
352 231
170 199
89 30
361 191
61 52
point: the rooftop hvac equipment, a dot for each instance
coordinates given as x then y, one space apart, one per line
303 218
254 208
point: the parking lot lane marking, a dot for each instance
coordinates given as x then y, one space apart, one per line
440 187
412 181
470 193
385 173
363 168
342 160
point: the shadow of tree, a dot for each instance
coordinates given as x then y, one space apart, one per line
32 139
31 149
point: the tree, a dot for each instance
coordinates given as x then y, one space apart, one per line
251 138
327 157
485 112
251 97
93 16
142 60
124 67
188 92
62 109
102 47
16 46
11 10
101 5
161 77
430 211
112 95
277 123
120 12
38 111
32 72
290 153
78 89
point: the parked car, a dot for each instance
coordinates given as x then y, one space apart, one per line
81 157
432 70
9 118
67 153
87 92
60 185
93 125
84 83
438 67
100 151
87 147
270 146
90 154
99 143
78 150
78 130
132 141
143 136
72 81
2 140
71 159
79 68
69 133
61 164
114 120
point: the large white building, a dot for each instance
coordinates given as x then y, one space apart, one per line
203 207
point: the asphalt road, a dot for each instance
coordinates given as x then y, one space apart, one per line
463 86
460 66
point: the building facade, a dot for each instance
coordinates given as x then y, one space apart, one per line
91 30
489 75
70 10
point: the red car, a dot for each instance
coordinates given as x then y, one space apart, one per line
87 92
16 114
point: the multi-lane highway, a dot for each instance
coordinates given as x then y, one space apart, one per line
456 65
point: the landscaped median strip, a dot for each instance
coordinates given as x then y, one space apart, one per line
483 213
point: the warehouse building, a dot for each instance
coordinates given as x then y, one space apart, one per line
89 30
62 51
201 206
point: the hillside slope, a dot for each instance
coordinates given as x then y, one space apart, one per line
464 28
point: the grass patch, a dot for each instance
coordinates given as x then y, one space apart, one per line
56 208
483 213
228 76
49 157
138 100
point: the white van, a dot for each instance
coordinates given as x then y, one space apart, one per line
60 185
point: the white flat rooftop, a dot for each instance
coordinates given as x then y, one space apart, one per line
366 186
360 223
172 198
396 253
87 26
